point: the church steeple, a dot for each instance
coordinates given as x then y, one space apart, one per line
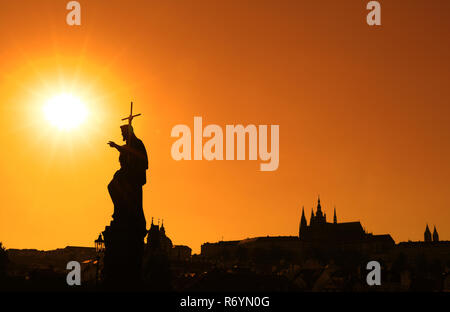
334 217
319 207
320 217
162 229
311 220
435 235
153 234
427 234
303 224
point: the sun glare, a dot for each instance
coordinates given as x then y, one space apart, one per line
65 111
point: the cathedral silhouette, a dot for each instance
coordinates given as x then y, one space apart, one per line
427 235
321 231
319 235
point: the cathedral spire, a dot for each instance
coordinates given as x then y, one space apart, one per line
435 235
427 234
303 223
334 218
320 217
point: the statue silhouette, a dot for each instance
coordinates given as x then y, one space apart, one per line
124 237
125 188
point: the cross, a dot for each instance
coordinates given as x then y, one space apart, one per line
130 119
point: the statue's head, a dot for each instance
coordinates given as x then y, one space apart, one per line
124 129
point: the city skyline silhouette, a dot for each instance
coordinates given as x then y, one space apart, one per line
360 123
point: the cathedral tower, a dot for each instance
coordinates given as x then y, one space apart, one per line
162 230
427 234
303 225
320 217
435 235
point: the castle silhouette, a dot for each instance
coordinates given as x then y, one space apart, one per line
318 235
322 237
321 231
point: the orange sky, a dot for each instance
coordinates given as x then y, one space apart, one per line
363 114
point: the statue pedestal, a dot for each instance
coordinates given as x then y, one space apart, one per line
124 249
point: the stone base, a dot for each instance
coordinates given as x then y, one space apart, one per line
124 249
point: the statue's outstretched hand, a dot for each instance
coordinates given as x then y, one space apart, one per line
112 144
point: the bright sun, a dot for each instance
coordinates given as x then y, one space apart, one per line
65 111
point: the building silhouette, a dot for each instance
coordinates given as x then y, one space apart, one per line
319 235
320 232
158 240
427 234
435 235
